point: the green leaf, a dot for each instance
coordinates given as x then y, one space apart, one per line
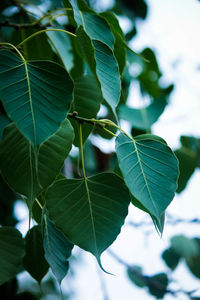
86 101
184 246
36 95
34 260
11 252
53 238
61 43
171 258
104 66
150 170
94 25
91 211
136 276
17 161
193 262
119 45
157 285
4 121
158 223
187 165
143 118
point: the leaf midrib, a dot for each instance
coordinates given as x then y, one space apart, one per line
143 174
91 216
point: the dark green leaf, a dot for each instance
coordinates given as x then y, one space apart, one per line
150 170
11 252
171 258
57 259
17 160
143 118
36 95
4 121
89 218
187 165
158 285
86 101
34 260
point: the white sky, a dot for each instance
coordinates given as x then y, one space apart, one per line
172 30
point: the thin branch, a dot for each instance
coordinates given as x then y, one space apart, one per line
6 23
150 282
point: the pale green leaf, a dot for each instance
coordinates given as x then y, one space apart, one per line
89 218
12 251
150 170
143 118
36 95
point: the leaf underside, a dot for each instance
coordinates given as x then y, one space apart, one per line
89 218
150 170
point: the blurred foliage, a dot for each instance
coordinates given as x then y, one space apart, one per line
140 121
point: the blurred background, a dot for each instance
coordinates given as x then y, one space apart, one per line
161 93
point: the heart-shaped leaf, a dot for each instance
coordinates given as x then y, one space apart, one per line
36 95
34 260
12 251
17 160
150 170
54 238
89 218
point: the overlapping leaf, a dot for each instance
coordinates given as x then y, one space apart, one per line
97 43
18 161
89 218
143 118
36 95
87 98
119 45
150 170
34 260
12 251
57 260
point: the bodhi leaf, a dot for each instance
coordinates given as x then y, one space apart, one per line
89 218
11 252
34 260
150 170
57 260
158 223
104 66
143 118
119 45
94 25
36 95
17 161
87 98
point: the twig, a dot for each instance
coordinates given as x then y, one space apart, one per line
150 282
6 23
